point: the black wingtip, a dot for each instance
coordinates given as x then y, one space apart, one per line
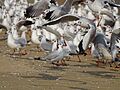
48 15
28 12
53 1
28 23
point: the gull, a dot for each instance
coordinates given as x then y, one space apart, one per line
1 13
16 43
35 36
16 19
106 18
101 50
117 23
38 8
78 38
73 49
56 55
115 37
88 38
94 52
44 44
97 5
7 4
24 2
11 11
14 32
6 23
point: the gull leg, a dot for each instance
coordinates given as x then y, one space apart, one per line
23 52
79 60
13 52
38 48
116 65
110 63
99 61
67 58
57 63
116 68
20 53
63 63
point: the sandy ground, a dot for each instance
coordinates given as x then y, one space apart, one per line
24 74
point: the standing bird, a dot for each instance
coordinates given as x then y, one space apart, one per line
115 37
57 55
16 43
101 50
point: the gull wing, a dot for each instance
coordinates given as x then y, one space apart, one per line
49 29
105 12
24 23
21 42
51 55
116 31
37 9
62 19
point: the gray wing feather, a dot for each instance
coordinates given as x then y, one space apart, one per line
46 46
62 19
21 42
50 56
49 29
37 9
24 23
105 12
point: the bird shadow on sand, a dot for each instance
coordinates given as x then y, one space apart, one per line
89 65
102 74
49 77
42 76
77 88
75 81
56 68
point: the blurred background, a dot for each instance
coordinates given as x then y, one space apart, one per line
59 1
